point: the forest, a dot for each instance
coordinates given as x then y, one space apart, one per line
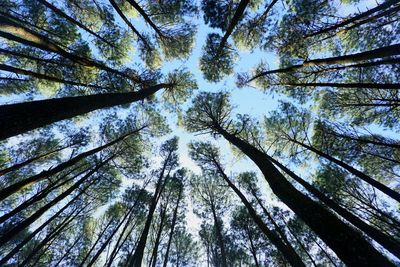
215 133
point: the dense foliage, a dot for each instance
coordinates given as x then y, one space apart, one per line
114 153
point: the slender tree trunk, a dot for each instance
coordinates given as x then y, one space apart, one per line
136 259
37 197
220 239
347 243
355 18
235 20
67 252
285 248
18 166
7 236
17 248
60 13
38 75
101 234
252 248
23 117
158 237
18 33
391 50
383 188
11 189
146 17
395 86
171 233
33 58
386 241
125 19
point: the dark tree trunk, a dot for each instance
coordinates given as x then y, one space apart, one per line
7 236
23 117
18 33
220 238
125 19
171 233
384 240
355 18
38 75
391 50
135 260
146 17
235 20
9 190
383 188
347 243
60 13
163 213
286 249
252 248
395 86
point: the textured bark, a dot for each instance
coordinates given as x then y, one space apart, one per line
285 248
11 189
23 117
383 188
347 243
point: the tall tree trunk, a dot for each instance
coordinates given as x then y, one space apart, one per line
135 260
383 188
37 197
18 33
46 77
220 238
286 249
163 213
395 86
252 248
235 20
346 22
23 117
171 233
391 50
7 236
11 189
146 18
18 166
125 19
60 13
347 243
17 248
386 241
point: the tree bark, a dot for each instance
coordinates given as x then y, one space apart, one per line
347 243
146 17
220 239
286 249
386 241
163 213
23 117
383 188
235 20
171 233
60 13
11 189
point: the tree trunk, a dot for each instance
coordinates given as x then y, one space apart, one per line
235 20
220 239
391 50
348 244
146 17
23 117
252 248
355 18
395 86
7 236
383 188
11 189
125 19
171 233
153 260
18 33
38 75
136 259
60 13
384 240
286 249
